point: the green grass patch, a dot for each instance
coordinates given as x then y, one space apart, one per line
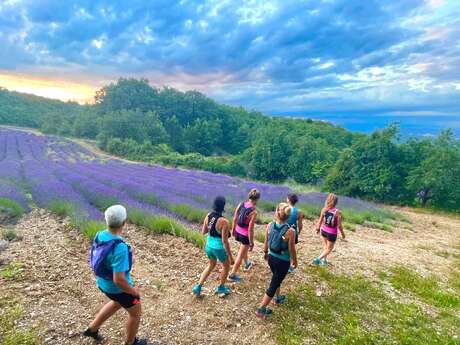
9 234
188 212
11 271
9 334
88 227
442 253
354 310
349 226
61 208
260 236
266 206
426 288
15 209
264 219
165 225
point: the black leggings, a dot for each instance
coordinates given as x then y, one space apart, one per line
279 269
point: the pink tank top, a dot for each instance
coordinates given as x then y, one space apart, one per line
243 231
327 228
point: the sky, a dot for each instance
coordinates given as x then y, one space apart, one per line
318 58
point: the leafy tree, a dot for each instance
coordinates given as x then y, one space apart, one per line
437 178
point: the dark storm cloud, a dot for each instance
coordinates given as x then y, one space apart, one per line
308 51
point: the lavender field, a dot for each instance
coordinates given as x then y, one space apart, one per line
58 174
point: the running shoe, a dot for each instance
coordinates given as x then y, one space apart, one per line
197 290
324 262
316 261
279 300
263 312
223 291
291 269
234 278
248 265
138 341
95 335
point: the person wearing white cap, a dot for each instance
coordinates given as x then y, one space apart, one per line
111 261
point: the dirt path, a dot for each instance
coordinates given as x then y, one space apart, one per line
60 296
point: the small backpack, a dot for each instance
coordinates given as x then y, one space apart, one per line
330 218
98 254
276 242
243 215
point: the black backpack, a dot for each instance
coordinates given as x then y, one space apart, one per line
276 242
330 219
243 214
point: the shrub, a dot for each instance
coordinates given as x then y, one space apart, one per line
15 209
266 206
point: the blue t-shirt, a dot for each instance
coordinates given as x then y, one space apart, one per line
118 261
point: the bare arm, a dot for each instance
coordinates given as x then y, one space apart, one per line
339 224
300 221
225 235
320 221
266 242
235 218
119 278
291 246
252 222
204 227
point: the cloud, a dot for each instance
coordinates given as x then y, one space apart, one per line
276 56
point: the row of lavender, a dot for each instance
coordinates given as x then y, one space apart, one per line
51 169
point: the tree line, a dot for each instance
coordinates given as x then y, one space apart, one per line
134 120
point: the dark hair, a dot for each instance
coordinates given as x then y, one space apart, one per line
293 198
219 204
254 194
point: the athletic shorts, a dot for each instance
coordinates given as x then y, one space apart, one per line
216 254
242 239
328 236
124 299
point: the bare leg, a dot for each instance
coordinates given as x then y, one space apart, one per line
265 301
328 250
224 274
207 271
132 325
242 253
106 312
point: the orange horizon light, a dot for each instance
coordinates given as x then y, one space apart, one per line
50 88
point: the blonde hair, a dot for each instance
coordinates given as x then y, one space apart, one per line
254 194
283 211
331 201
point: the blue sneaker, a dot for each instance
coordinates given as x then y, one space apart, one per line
223 291
263 312
324 262
234 278
316 261
197 290
291 269
279 300
248 265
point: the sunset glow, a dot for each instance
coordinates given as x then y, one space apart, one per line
48 87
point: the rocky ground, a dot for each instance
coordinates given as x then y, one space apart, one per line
58 293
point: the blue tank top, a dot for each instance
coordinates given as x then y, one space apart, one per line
292 220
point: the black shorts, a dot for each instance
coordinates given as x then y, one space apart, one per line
330 237
242 239
124 299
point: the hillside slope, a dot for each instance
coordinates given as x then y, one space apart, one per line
57 291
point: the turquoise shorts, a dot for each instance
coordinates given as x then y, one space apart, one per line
216 254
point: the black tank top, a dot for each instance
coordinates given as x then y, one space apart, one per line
213 217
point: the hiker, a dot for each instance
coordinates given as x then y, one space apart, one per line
280 252
330 221
295 220
217 247
111 260
244 219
